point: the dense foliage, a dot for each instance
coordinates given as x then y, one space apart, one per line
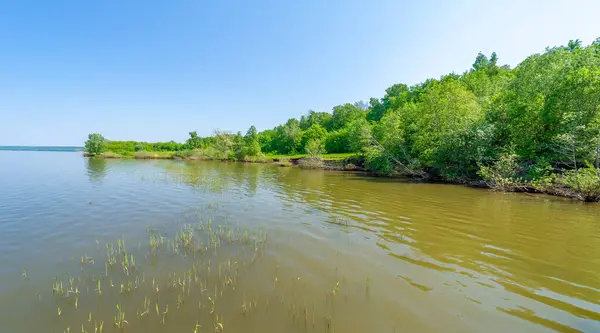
95 144
503 126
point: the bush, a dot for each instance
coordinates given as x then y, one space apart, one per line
252 148
283 162
110 154
314 148
259 158
183 154
541 171
376 159
144 155
311 163
502 174
584 183
337 142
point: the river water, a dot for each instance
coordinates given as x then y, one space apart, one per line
237 247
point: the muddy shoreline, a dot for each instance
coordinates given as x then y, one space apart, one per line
356 165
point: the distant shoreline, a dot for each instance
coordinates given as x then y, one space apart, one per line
42 148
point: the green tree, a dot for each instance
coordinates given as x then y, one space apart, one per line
194 142
395 97
445 108
571 115
359 135
337 141
314 132
267 140
238 147
345 114
481 62
376 110
462 152
313 117
225 144
95 144
550 100
486 82
251 143
289 137
389 134
574 45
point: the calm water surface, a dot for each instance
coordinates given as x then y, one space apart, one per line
284 250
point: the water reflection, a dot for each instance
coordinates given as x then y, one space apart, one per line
96 169
535 252
524 262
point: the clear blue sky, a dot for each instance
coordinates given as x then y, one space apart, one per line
155 70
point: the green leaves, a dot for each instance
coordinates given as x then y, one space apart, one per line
95 145
545 112
315 132
251 143
446 108
345 114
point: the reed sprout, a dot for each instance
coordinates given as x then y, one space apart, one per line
215 257
120 318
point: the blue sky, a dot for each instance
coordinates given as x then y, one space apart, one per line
155 70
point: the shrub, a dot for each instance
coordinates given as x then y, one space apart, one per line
584 183
378 160
311 163
144 155
110 154
259 158
314 148
337 142
283 162
502 174
182 154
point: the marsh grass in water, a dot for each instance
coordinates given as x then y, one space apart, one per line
203 277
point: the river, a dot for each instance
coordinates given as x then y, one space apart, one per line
208 246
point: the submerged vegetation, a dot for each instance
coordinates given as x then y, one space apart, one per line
533 128
194 278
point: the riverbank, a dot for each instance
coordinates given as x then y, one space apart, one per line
192 155
354 163
334 162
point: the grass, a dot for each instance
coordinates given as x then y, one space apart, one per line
110 154
283 162
326 157
209 154
154 155
141 154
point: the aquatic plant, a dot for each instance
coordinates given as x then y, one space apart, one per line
120 318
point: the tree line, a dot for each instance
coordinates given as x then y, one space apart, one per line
506 126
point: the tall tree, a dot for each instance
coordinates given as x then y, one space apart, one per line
446 107
345 114
95 144
251 143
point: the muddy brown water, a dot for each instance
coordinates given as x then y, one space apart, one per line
270 249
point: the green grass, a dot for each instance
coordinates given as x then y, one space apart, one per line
156 154
326 157
209 154
140 155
